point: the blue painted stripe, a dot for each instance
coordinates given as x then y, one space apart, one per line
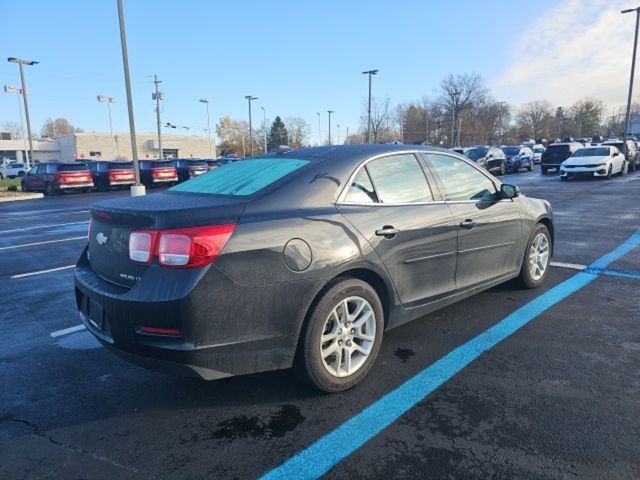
614 273
329 450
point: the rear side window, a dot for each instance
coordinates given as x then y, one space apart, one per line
399 179
461 181
51 168
242 178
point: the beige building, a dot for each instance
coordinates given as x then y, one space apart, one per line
101 146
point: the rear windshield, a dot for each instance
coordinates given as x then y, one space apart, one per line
196 163
71 167
146 164
118 166
241 178
163 164
557 149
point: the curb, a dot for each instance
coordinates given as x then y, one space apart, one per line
26 196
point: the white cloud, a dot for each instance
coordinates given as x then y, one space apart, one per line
576 49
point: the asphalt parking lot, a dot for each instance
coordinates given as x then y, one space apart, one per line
558 398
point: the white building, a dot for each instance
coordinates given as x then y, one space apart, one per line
101 146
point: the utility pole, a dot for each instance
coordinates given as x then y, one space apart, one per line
329 112
250 99
138 188
633 68
206 102
157 96
18 92
109 100
370 73
21 62
264 123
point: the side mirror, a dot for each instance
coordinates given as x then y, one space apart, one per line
615 154
509 191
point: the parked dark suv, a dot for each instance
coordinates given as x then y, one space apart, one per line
108 174
631 153
56 177
188 168
492 159
157 173
556 153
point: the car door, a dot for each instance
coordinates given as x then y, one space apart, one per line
389 201
37 182
489 228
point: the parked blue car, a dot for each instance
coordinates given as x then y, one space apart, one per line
518 157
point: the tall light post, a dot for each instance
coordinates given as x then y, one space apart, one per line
319 130
109 100
330 112
264 123
250 99
206 102
454 106
370 73
633 68
138 188
157 96
21 62
18 92
338 127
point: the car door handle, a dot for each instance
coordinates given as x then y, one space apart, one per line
468 224
387 231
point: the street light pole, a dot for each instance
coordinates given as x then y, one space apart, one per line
18 91
633 68
109 100
206 102
454 101
250 99
157 96
319 131
138 188
329 112
264 123
370 73
21 62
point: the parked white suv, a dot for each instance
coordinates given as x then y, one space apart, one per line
12 170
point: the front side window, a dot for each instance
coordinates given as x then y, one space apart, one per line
461 181
399 179
51 168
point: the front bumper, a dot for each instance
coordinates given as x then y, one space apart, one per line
222 334
583 171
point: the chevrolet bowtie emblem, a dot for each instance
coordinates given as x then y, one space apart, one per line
101 238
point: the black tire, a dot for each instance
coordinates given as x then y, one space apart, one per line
564 179
543 170
625 169
24 187
20 174
530 168
48 190
609 172
526 279
633 165
308 363
503 168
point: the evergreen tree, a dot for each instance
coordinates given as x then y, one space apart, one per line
278 135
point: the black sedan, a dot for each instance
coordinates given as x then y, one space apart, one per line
302 259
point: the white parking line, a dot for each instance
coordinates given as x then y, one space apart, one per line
83 237
43 226
65 331
38 214
572 266
40 272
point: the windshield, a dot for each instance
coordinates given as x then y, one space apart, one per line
538 150
241 178
476 153
511 150
592 152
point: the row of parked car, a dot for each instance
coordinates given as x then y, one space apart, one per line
500 160
55 177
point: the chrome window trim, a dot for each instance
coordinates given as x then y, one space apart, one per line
345 190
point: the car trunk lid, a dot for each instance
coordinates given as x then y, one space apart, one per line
112 222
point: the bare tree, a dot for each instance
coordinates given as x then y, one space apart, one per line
381 120
298 130
58 127
459 92
14 129
533 118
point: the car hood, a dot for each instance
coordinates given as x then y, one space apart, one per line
580 161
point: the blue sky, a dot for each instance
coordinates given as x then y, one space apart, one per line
297 57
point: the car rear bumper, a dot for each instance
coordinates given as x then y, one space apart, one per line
71 186
221 333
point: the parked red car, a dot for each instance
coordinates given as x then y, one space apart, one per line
108 174
157 173
56 177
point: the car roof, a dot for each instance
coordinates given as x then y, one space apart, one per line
352 152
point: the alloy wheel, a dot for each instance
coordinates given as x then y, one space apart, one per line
348 336
539 256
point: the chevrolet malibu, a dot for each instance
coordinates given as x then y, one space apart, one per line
302 259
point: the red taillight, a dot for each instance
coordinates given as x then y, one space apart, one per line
171 332
190 247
